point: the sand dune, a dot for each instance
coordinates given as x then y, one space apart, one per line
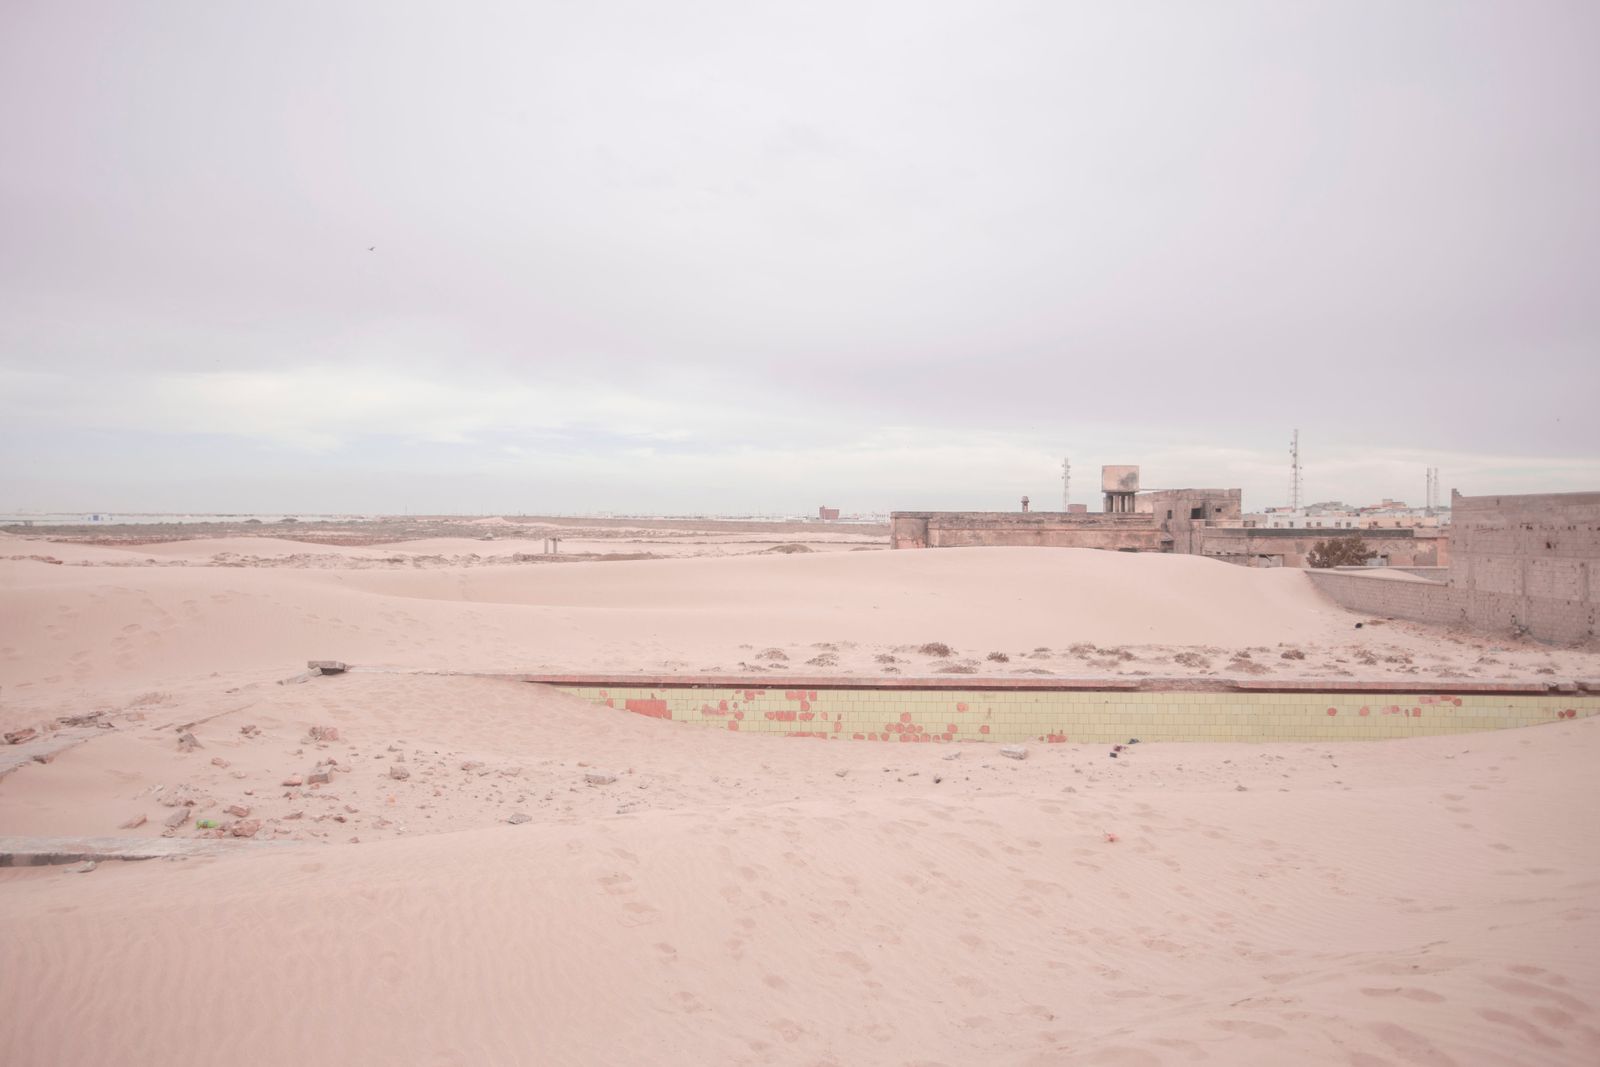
764 901
742 899
76 636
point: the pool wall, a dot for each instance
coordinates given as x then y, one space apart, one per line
939 712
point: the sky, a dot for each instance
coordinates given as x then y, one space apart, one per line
752 258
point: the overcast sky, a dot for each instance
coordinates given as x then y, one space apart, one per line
756 257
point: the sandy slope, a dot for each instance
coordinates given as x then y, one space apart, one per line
75 638
1430 901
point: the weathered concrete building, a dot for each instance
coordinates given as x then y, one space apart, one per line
1257 547
1518 564
1052 529
1208 522
1134 521
1187 516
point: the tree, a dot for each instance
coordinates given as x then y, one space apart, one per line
1349 551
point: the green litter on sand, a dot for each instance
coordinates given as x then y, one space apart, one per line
205 824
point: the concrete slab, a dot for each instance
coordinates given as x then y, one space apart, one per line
13 757
46 851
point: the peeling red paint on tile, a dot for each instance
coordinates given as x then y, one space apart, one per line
652 709
984 728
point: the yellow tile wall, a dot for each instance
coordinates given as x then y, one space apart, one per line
941 715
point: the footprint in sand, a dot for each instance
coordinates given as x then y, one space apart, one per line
1410 1045
1423 995
1521 1026
853 961
616 884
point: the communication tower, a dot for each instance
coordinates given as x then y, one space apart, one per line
1294 472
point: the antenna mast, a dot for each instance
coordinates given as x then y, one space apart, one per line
1294 472
1066 484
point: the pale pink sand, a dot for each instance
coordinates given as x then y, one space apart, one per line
77 638
1431 901
735 899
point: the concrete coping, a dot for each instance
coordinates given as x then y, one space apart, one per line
1041 683
47 851
1055 684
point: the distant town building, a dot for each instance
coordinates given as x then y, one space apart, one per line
1208 522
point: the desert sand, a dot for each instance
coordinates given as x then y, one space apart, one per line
459 892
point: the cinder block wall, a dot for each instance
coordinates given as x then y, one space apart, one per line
1519 564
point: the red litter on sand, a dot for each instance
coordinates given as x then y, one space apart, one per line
1111 837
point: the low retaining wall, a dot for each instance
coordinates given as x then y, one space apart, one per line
1545 618
932 712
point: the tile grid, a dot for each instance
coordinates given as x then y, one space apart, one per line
912 716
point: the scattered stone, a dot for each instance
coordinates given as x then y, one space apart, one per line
351 808
517 818
399 773
599 777
135 822
1239 789
952 755
187 742
17 737
91 718
320 775
841 772
238 811
245 828
176 819
471 764
937 779
294 781
180 796
1014 751
249 730
218 761
323 733
82 868
326 666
